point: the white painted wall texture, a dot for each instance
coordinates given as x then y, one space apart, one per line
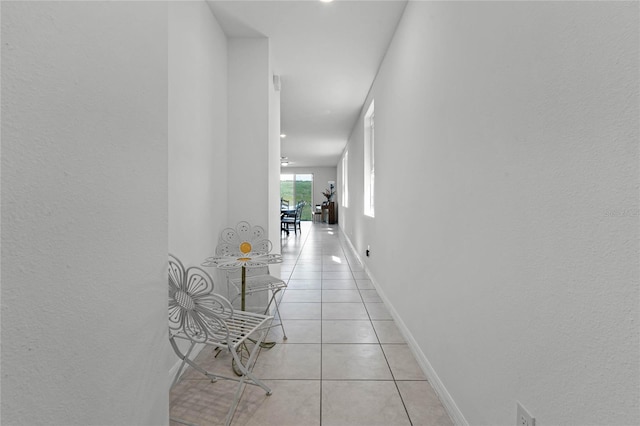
273 161
223 134
509 130
197 132
84 213
253 143
249 92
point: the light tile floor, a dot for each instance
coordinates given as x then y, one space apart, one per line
344 363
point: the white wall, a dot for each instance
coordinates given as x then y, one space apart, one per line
254 143
273 170
197 131
84 213
509 130
250 83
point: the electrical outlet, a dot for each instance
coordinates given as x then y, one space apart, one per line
524 417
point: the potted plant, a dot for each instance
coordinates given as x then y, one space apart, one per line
329 193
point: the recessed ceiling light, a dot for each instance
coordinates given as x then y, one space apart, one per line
284 163
282 135
326 1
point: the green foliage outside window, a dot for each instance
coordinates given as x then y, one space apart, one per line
303 192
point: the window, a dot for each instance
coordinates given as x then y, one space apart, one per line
295 188
345 179
369 162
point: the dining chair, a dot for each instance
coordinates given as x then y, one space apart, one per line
299 208
317 213
290 219
293 219
199 316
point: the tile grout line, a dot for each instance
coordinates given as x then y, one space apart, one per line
368 318
384 354
321 339
296 264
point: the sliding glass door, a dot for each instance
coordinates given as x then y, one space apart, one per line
295 188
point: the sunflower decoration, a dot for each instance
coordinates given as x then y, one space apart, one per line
193 309
245 245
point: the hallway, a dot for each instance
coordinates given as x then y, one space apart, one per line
344 362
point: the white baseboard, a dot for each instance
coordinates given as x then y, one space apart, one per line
446 399
432 377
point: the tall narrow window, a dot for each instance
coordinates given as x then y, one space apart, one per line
369 162
345 179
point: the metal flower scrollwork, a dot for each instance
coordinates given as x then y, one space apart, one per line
193 308
245 245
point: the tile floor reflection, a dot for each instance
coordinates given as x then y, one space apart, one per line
344 363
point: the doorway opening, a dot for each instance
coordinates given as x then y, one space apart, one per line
295 188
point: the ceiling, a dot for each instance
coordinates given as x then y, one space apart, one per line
327 56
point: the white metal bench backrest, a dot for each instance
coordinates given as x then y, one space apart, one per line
194 311
198 315
232 239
